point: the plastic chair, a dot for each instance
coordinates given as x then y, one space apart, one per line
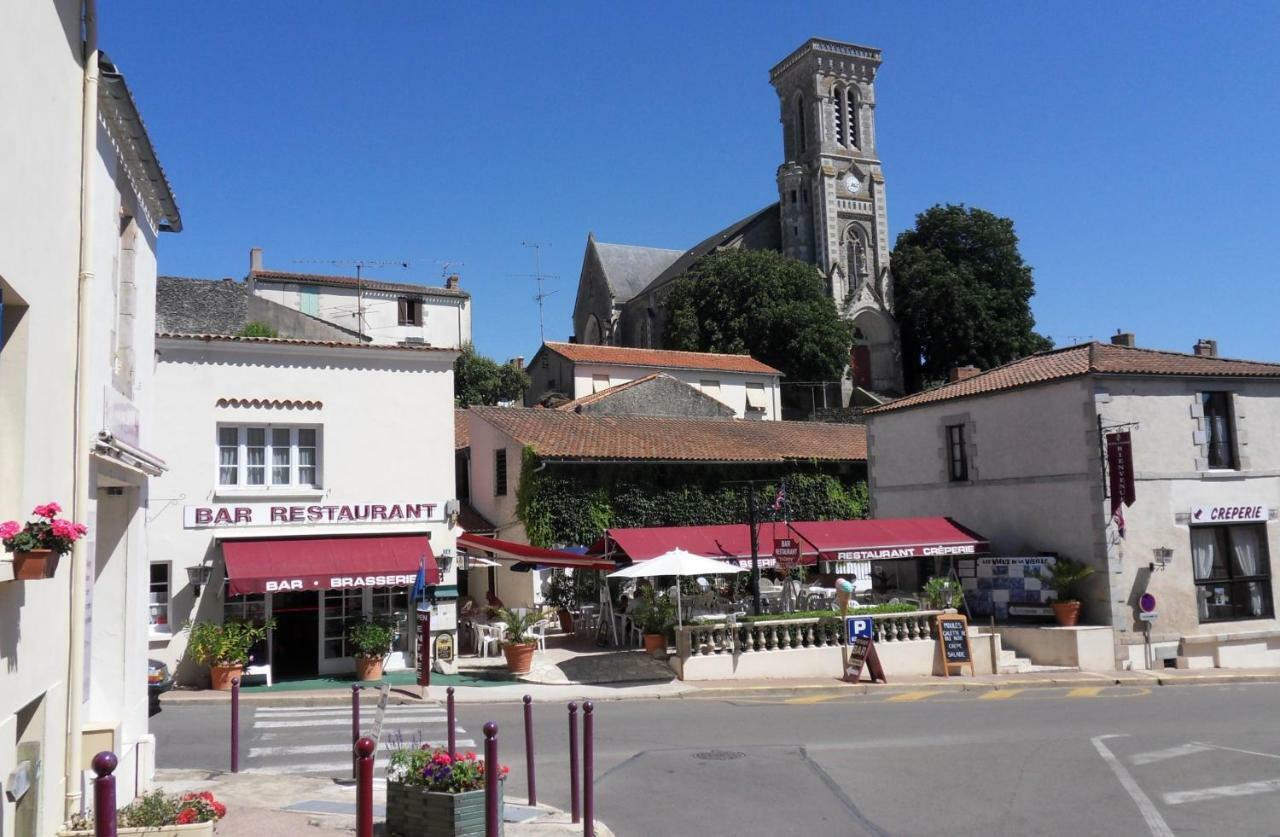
538 632
487 635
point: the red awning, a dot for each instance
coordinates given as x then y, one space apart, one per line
523 552
279 565
726 542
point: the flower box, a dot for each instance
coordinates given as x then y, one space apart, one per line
195 829
35 565
414 811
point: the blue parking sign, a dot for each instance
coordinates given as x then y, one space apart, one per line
857 626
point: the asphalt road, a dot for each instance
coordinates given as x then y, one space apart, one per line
1085 761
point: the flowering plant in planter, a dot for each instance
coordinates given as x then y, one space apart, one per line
435 769
157 810
45 531
433 791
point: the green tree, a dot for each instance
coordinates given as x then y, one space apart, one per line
759 302
480 380
962 294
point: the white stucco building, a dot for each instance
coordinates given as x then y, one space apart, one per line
575 370
309 476
86 203
1032 455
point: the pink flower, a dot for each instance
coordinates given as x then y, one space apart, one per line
442 758
66 529
9 528
47 510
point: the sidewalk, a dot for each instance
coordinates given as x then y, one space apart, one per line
260 804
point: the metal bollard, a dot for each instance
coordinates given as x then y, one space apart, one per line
355 728
492 788
528 749
235 725
588 770
364 786
453 722
575 790
104 795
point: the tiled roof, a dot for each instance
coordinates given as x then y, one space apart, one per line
761 230
461 430
629 269
660 358
291 341
473 521
1085 359
350 282
553 434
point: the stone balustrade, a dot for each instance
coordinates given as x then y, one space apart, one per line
787 634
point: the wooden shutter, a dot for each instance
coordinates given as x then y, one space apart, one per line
403 311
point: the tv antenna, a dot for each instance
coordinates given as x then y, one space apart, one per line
541 295
359 265
447 265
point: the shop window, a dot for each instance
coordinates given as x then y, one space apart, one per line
410 313
1218 429
158 598
275 456
957 456
1232 572
391 604
500 472
251 607
341 607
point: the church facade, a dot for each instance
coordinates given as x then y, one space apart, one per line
830 212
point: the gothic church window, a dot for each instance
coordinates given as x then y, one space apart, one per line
851 117
855 255
800 126
840 111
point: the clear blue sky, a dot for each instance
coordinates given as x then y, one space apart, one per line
1134 144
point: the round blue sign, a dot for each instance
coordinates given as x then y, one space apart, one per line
1147 604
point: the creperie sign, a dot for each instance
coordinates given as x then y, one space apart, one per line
300 514
905 552
1230 514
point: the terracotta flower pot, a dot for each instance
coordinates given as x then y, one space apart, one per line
220 677
655 644
369 668
566 621
35 565
1067 613
519 657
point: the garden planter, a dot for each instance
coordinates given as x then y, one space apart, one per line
35 565
413 811
369 668
195 829
1067 613
519 657
220 677
655 644
566 621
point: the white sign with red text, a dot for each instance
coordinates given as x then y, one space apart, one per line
1242 513
229 515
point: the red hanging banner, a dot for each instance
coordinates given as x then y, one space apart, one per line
1120 470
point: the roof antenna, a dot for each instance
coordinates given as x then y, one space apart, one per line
360 265
537 246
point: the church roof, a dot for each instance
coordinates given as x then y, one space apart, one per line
629 269
761 230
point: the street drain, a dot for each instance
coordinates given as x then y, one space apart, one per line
718 755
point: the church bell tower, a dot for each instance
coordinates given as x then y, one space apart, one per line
832 197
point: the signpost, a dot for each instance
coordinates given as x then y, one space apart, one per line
424 647
381 712
859 631
953 642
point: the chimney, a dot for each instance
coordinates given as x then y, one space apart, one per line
1123 338
517 362
961 373
255 259
1206 348
451 282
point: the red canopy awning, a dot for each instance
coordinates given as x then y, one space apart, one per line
727 542
280 565
524 553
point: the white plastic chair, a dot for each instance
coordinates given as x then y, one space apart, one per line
538 632
489 635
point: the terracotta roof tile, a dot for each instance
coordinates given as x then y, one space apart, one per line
554 434
290 341
660 358
352 282
1085 359
461 430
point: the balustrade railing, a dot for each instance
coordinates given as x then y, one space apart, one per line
787 634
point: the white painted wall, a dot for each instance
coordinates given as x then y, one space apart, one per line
732 390
446 320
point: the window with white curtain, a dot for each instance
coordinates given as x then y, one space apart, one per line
1218 425
268 456
1232 572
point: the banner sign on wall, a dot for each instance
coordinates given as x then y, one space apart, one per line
1120 470
294 514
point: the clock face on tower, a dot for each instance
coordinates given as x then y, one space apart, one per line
851 182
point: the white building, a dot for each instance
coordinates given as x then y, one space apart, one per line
381 312
86 202
1022 454
309 477
575 370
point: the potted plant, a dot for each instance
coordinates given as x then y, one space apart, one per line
943 592
37 545
560 595
432 791
655 615
371 641
1067 577
224 648
516 647
158 814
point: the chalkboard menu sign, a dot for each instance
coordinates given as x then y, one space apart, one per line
953 642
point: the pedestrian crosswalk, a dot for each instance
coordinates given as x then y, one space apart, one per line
317 740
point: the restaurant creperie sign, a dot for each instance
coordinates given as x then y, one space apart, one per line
306 514
905 552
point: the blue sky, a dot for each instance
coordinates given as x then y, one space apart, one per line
1134 144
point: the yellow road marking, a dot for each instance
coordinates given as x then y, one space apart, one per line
1001 694
906 696
1085 691
815 698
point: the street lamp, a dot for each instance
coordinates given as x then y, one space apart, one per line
198 575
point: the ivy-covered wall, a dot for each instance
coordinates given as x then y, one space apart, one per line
563 504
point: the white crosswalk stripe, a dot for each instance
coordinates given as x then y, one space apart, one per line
1169 753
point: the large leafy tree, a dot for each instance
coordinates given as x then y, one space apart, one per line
762 303
962 294
480 380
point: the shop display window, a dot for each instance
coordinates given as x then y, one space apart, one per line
1232 572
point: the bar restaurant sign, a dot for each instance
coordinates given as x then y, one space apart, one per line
231 515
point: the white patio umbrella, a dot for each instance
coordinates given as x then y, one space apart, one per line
677 562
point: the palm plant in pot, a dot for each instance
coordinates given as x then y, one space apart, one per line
1067 578
370 641
39 543
224 648
516 646
656 616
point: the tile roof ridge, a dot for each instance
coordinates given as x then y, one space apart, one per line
1190 355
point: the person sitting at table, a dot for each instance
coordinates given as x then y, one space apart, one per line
493 602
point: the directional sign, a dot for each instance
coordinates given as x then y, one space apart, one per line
381 714
857 626
786 552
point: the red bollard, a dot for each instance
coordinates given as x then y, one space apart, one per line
588 770
364 787
575 790
453 722
355 728
492 788
235 725
528 749
104 795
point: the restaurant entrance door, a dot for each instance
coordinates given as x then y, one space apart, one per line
293 647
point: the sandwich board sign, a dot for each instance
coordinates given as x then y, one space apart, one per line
859 636
953 642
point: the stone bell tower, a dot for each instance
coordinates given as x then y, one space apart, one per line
832 196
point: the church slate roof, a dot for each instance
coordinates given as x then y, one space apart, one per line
760 230
629 269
